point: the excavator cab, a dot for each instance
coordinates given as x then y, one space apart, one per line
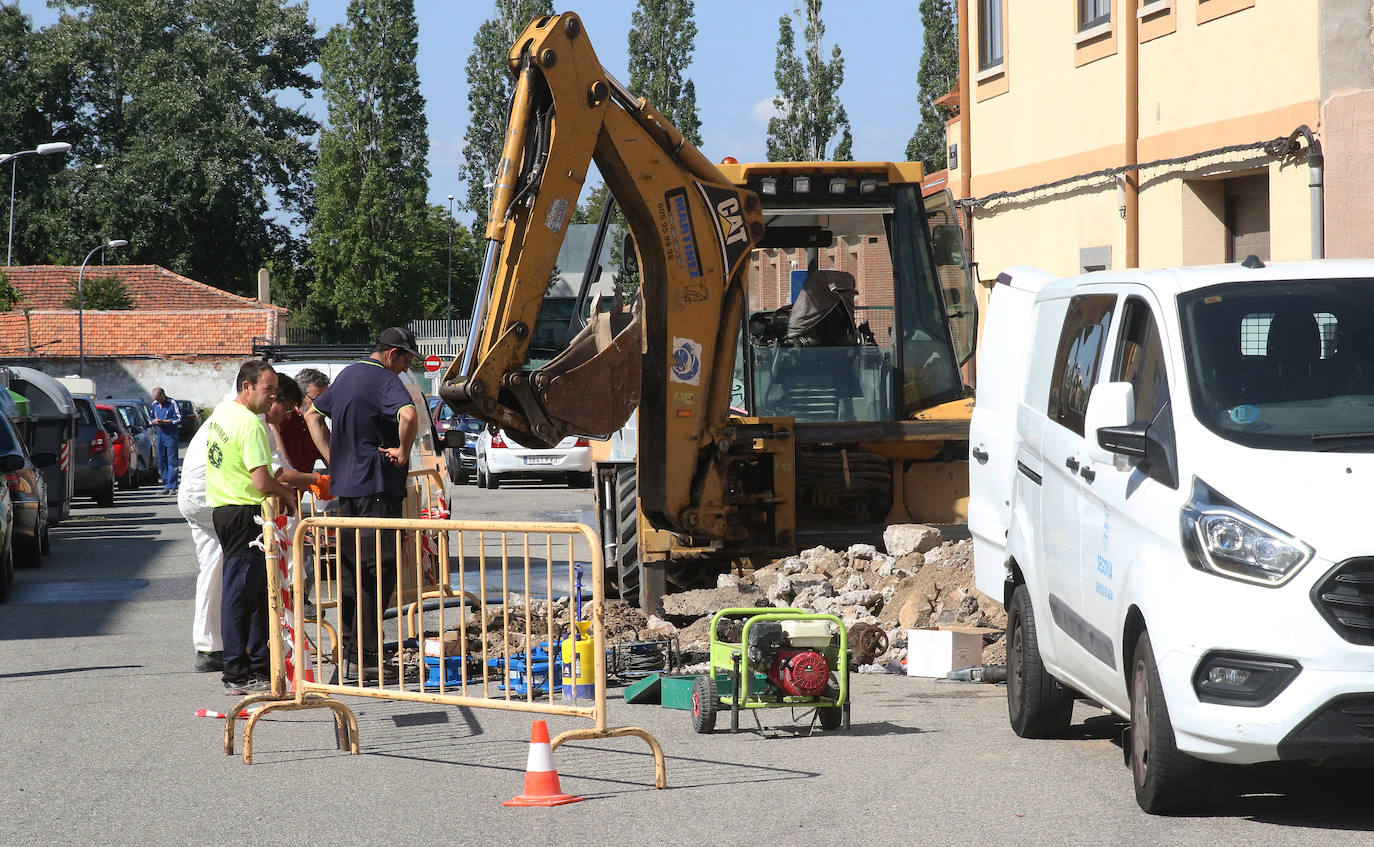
847 312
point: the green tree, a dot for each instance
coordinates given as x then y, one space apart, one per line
432 252
662 38
490 86
369 236
9 295
809 113
100 294
938 73
179 141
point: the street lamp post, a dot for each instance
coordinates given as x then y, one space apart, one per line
81 305
448 313
13 159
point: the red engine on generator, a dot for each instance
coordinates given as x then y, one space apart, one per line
798 671
803 673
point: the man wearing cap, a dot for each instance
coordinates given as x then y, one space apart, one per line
366 443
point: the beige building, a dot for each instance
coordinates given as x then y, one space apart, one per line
1222 105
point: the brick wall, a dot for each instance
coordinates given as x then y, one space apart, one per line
866 257
204 381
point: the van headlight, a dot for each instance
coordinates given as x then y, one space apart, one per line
1222 538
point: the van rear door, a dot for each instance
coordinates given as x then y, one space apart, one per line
1001 367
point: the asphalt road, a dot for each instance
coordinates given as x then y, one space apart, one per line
99 745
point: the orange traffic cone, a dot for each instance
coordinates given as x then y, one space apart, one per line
541 778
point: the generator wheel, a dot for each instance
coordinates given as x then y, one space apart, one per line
704 704
830 717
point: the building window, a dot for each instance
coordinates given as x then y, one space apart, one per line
1093 13
989 34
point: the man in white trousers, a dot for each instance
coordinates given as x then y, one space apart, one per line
191 500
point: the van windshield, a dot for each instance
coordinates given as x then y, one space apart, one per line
1283 365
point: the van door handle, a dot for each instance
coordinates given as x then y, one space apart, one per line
1072 464
1088 474
980 455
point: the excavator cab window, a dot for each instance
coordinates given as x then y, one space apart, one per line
846 322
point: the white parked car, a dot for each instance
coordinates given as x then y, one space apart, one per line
1170 475
501 457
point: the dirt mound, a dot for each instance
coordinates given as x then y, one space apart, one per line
931 583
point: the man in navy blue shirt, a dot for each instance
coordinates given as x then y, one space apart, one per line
372 425
167 419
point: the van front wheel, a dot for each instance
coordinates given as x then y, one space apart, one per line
1167 780
1039 707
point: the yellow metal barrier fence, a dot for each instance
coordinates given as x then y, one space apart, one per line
491 642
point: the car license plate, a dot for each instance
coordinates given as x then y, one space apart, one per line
541 460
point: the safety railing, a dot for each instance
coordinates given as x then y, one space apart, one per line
476 614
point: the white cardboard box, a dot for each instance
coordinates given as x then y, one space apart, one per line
936 652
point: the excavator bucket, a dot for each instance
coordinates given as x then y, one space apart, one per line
592 387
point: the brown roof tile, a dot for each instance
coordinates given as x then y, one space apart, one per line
150 287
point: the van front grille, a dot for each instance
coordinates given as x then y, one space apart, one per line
1345 597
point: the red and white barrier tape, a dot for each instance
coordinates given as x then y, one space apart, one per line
211 713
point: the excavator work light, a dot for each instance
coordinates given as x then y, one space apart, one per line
768 185
801 185
868 186
837 185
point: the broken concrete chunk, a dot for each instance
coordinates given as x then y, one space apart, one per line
806 582
900 539
660 626
861 551
727 580
829 563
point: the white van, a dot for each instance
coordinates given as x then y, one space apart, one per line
1169 474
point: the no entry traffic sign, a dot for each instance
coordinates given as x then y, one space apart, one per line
432 364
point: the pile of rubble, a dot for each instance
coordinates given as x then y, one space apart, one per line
503 627
919 580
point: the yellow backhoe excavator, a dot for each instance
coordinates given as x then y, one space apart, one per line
794 352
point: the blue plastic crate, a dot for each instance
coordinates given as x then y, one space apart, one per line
535 673
453 671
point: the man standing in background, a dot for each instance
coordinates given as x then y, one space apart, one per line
295 435
167 419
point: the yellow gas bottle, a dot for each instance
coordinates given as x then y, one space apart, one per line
579 672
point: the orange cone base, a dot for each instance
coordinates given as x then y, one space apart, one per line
530 800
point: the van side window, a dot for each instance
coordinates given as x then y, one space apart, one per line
1078 358
1140 360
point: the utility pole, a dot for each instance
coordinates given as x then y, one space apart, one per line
448 312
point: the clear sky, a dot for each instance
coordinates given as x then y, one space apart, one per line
733 69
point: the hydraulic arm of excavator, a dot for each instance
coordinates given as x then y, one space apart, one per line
693 231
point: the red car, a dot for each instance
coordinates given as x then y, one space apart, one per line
123 445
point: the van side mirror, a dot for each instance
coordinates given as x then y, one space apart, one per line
11 462
1111 406
1151 443
43 460
453 438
